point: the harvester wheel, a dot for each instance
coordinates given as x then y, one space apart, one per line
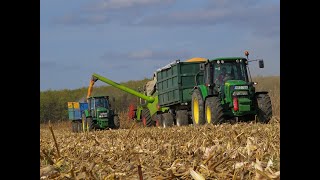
89 123
197 108
182 118
264 108
74 125
214 111
146 118
167 120
116 122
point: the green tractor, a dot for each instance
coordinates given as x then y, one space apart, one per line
99 114
227 92
96 113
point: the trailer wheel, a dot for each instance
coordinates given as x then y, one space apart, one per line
197 108
146 118
182 118
264 107
116 122
167 120
79 126
157 118
74 125
214 111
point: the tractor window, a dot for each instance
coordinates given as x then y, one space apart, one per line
229 70
101 102
91 103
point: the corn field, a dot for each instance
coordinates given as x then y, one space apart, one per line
228 151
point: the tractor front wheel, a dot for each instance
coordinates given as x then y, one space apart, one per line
214 111
264 108
197 108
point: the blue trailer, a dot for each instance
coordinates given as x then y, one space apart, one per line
75 112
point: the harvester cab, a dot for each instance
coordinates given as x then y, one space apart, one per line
229 93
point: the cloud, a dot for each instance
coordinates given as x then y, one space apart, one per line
54 66
82 20
125 4
103 12
227 4
263 20
47 64
148 55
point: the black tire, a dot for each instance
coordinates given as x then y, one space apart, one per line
79 126
89 123
167 120
197 98
157 118
146 118
83 123
116 122
214 111
182 118
74 126
264 108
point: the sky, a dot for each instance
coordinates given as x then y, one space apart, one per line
129 39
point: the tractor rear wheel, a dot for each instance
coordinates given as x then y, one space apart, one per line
89 123
182 118
214 111
264 113
197 108
84 123
146 118
116 122
167 120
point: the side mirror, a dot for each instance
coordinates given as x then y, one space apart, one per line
261 64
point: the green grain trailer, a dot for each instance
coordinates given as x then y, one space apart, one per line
175 83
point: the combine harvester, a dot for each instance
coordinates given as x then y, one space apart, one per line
200 91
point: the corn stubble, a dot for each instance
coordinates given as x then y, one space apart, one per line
239 151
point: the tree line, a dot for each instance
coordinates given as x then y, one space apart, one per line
53 103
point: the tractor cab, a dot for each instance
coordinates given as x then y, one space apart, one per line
225 69
98 102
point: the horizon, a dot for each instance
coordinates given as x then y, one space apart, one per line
101 84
